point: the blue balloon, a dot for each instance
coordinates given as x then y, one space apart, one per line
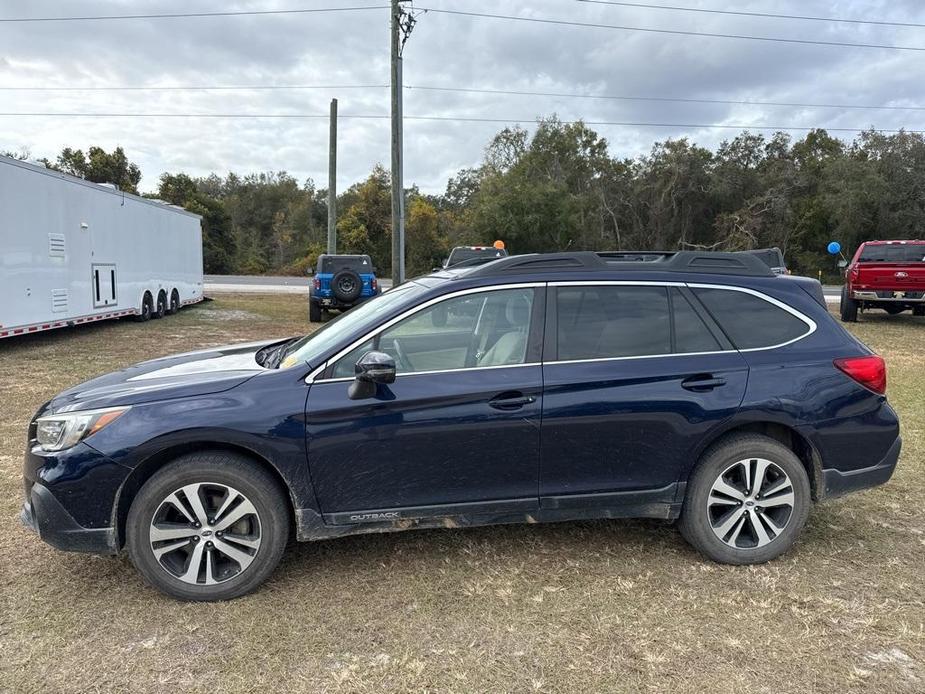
834 247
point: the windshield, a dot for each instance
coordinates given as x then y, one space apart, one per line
458 255
308 350
772 257
894 253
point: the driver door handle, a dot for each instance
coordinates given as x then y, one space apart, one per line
511 401
702 383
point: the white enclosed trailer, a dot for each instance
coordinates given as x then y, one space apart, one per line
72 252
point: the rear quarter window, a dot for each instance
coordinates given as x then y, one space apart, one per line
749 321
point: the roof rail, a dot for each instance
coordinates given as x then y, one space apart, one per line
699 262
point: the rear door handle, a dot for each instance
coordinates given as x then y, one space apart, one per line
511 401
700 384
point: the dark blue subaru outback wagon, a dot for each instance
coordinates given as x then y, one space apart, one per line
697 386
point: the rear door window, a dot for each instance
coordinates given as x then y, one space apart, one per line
750 321
601 322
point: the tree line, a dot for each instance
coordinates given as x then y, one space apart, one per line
561 188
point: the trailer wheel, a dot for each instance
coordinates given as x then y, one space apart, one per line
146 309
174 305
161 306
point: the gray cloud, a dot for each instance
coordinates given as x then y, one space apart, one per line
445 50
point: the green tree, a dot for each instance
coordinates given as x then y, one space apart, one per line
99 166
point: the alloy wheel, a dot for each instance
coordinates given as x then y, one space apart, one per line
750 503
205 533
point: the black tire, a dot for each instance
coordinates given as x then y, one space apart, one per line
147 308
314 312
848 307
347 286
697 522
161 308
218 468
174 304
918 311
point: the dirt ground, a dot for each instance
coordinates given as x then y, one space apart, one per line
572 607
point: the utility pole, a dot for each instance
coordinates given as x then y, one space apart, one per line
402 24
332 182
398 212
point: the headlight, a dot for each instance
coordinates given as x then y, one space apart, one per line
59 431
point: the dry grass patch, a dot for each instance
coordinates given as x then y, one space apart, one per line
597 606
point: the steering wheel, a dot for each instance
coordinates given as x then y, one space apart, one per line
400 359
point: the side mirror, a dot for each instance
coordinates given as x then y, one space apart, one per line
372 368
310 270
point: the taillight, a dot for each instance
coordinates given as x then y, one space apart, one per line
870 371
374 284
853 273
316 283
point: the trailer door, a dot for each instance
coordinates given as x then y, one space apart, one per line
103 285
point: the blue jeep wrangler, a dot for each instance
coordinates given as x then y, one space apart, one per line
341 282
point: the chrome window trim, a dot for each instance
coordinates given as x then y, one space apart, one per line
410 312
809 322
345 379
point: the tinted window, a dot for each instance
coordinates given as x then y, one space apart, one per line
470 331
459 255
360 264
772 257
893 253
612 321
750 321
690 332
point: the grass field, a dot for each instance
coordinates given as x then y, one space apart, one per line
574 607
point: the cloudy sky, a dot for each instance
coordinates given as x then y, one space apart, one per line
351 48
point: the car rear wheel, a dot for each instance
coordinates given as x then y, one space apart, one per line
849 307
314 312
747 501
918 311
208 526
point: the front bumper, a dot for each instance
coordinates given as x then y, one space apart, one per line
43 514
838 483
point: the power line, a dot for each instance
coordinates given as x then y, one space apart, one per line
191 15
740 13
672 99
193 87
674 32
469 90
459 119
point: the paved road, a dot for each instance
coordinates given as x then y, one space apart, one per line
299 285
264 284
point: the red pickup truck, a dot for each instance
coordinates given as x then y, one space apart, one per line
885 274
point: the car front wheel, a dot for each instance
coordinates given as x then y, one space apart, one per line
208 526
747 501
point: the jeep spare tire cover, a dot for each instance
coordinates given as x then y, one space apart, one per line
347 285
